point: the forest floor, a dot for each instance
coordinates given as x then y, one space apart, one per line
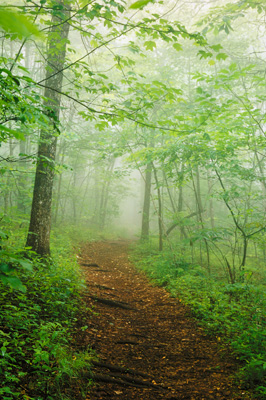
148 344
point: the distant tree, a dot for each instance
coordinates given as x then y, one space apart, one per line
145 226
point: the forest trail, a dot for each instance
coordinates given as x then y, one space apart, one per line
140 327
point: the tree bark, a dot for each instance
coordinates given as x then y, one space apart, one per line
145 226
160 209
22 181
40 223
211 210
181 201
197 191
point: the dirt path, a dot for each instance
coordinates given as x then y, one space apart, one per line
139 327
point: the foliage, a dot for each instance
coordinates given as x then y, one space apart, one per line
17 24
37 357
140 4
19 103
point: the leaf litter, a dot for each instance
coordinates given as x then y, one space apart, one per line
151 348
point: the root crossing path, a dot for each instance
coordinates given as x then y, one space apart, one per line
148 345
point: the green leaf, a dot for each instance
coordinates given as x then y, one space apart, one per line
150 45
217 47
140 4
127 103
4 334
177 46
199 90
4 268
3 235
204 54
14 282
83 3
221 56
25 264
18 24
6 389
206 136
11 132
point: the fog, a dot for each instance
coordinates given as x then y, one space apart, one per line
160 127
132 138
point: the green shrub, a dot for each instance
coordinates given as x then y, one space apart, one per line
37 317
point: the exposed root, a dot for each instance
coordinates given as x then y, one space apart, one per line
112 303
99 270
103 287
138 335
127 342
125 381
84 264
117 368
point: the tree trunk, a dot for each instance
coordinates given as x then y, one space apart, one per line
105 193
22 181
211 211
145 226
160 210
61 149
197 191
59 185
40 223
181 201
8 185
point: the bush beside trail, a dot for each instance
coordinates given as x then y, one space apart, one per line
40 306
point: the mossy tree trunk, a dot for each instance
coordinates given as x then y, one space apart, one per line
40 223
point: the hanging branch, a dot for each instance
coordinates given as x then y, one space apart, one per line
175 224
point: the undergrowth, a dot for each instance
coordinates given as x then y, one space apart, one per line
233 312
40 304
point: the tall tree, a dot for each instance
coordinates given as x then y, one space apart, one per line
40 223
145 226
